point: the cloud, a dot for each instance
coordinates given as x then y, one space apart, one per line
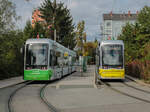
72 5
89 10
36 2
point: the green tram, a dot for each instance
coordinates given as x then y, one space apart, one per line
45 59
110 60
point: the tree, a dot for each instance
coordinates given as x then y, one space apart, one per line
90 50
143 36
131 49
80 38
7 16
137 44
10 57
38 30
136 36
58 17
33 32
69 41
11 41
143 20
28 30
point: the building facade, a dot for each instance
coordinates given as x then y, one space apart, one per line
112 24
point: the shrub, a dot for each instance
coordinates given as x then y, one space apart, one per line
139 69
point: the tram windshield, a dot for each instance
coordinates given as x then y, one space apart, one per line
36 56
112 56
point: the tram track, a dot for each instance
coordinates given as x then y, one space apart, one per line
10 107
124 93
148 92
41 95
137 81
45 101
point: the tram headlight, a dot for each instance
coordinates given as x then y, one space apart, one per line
120 67
43 68
28 68
105 67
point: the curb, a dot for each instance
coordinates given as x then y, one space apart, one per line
5 83
137 81
12 84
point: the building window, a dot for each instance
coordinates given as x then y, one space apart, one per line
108 24
108 31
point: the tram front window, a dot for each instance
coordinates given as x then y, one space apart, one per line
112 56
36 56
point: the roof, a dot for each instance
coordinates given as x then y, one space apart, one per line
119 16
112 42
35 40
45 40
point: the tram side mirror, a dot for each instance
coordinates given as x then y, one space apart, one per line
22 49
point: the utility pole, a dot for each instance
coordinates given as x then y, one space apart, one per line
54 15
55 35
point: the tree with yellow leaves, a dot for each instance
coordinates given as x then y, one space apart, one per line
80 38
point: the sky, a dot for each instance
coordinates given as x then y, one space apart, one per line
88 10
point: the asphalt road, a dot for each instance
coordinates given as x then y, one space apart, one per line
78 93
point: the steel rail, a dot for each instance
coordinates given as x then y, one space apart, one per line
10 107
137 82
123 93
43 98
148 92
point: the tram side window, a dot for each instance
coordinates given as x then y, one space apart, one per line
69 60
55 59
73 61
60 59
66 60
50 58
59 56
